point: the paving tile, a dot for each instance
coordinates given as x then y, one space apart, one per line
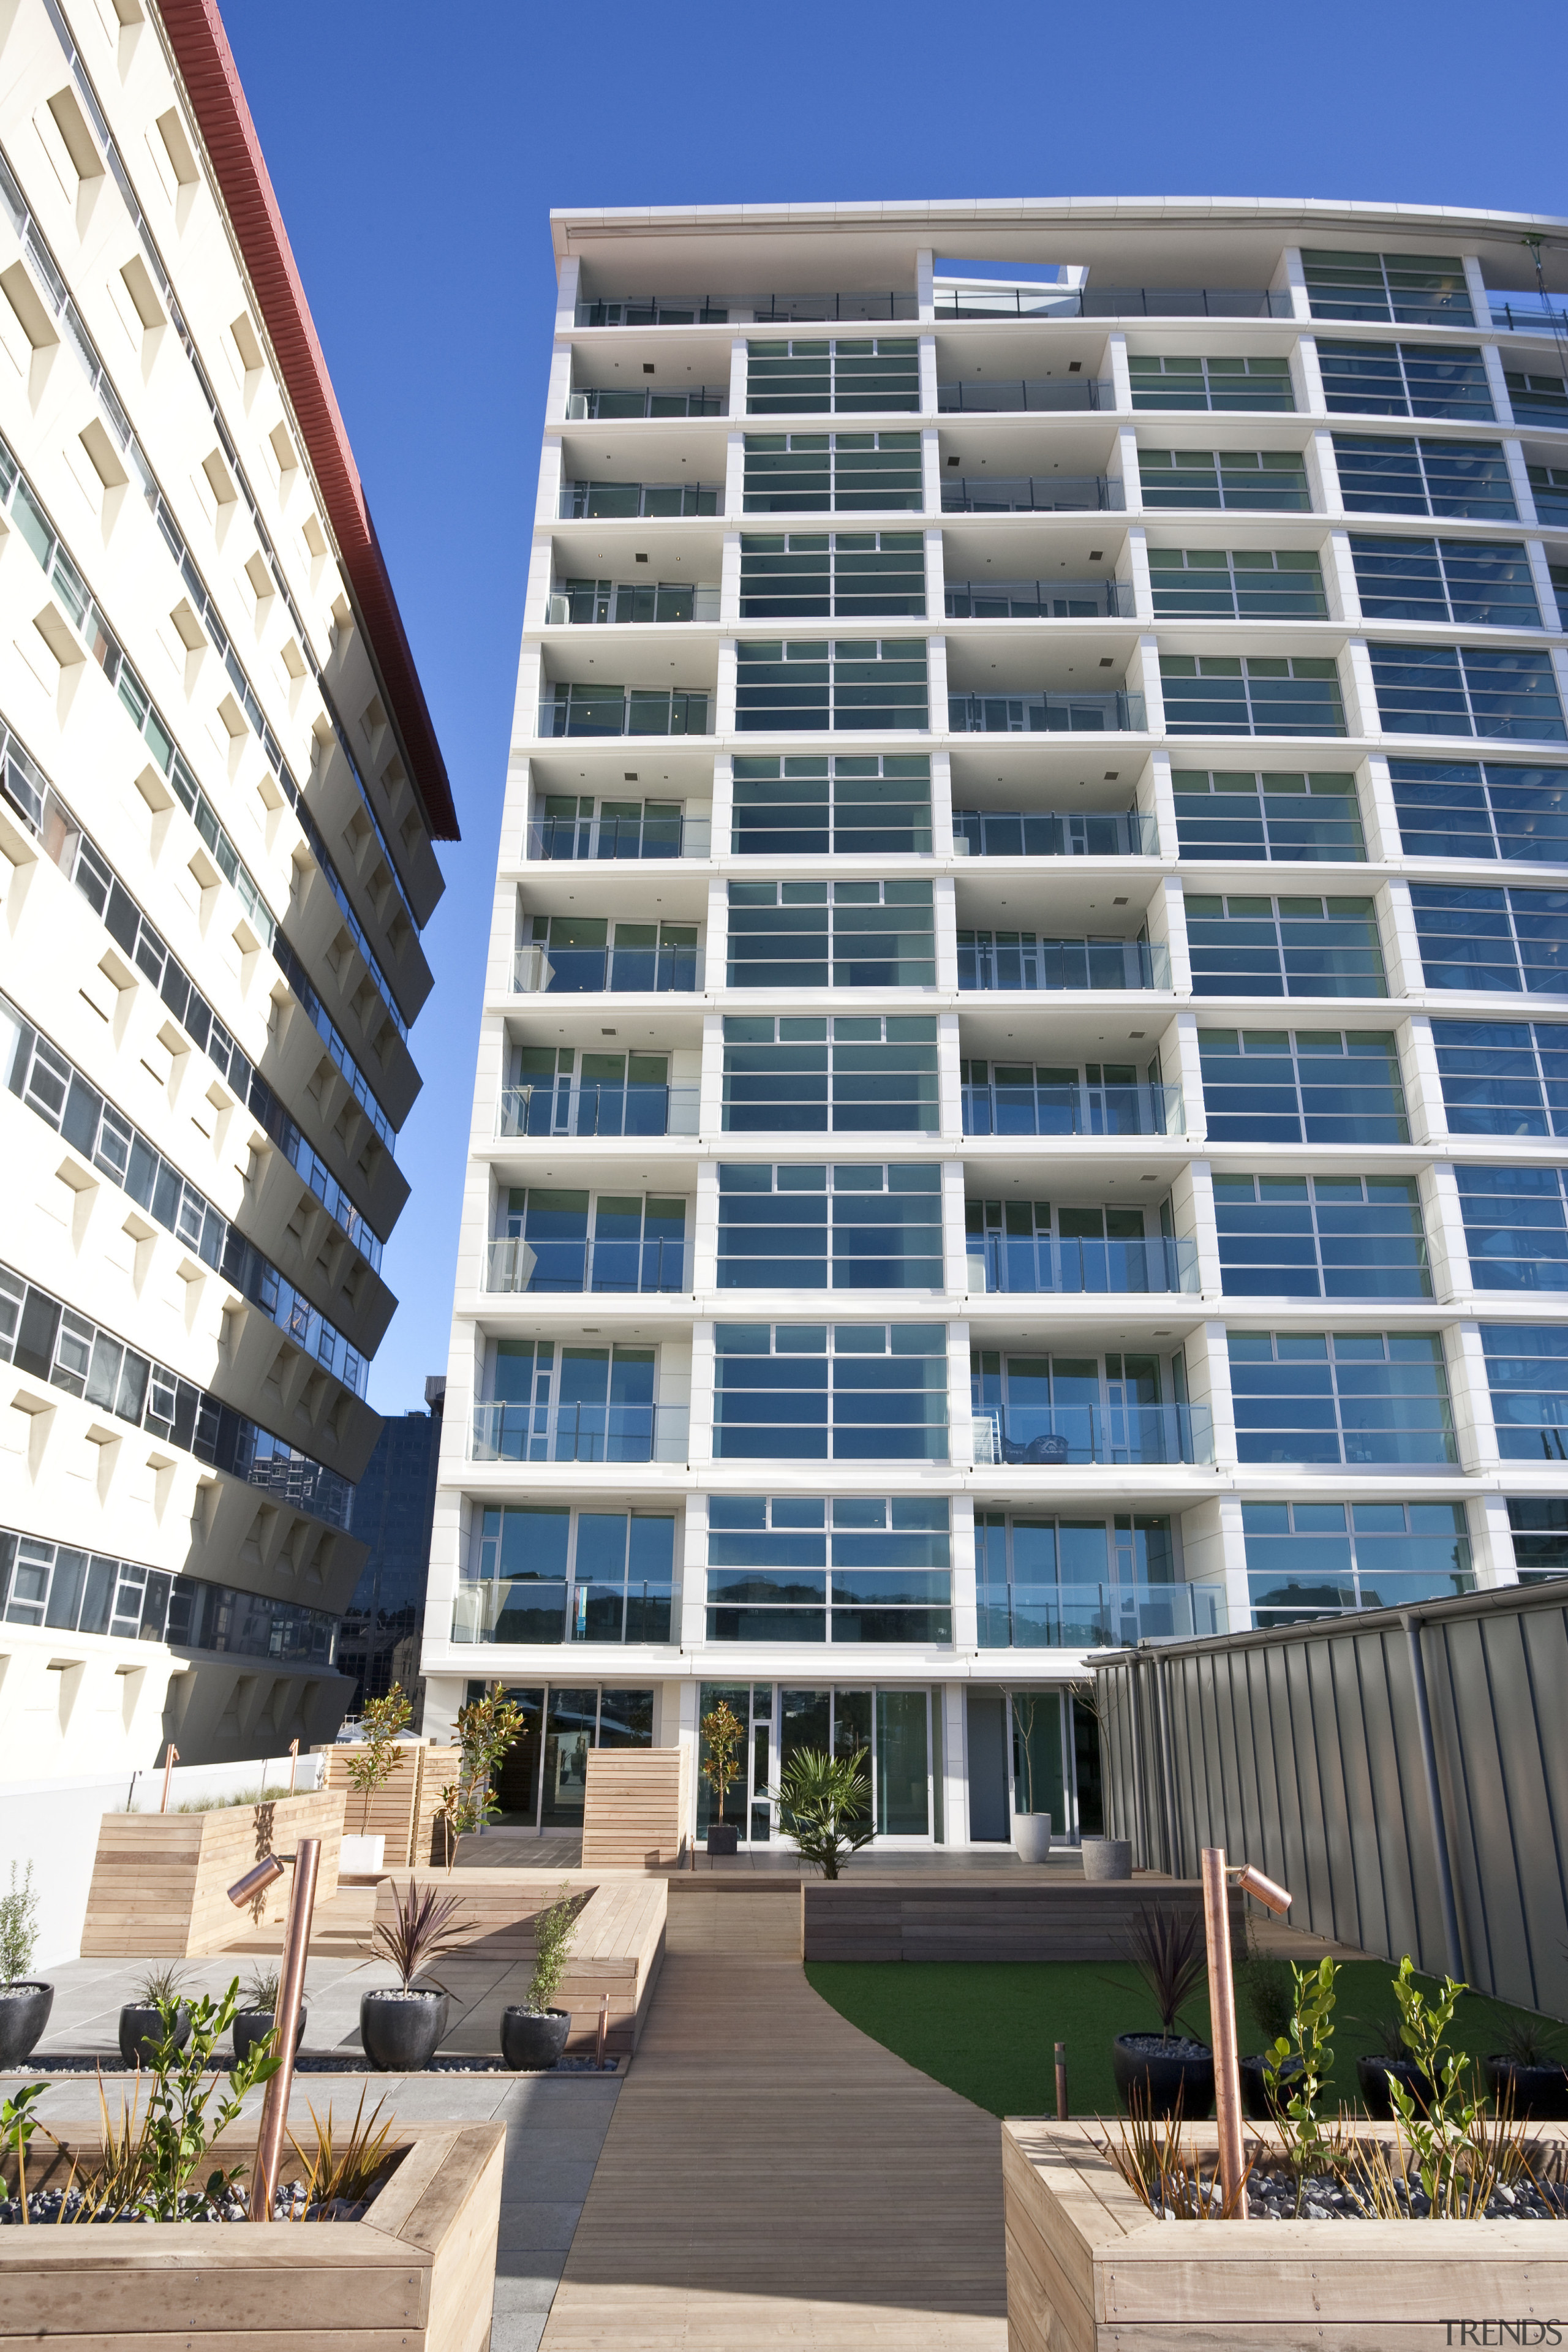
546 2175
533 2227
517 2331
531 2287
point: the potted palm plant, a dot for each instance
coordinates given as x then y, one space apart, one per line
401 2025
533 2035
825 1807
1168 2073
723 1735
369 1767
257 2014
1526 2077
1031 1831
25 2004
159 2015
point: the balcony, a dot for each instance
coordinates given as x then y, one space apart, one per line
591 407
1045 714
974 300
1029 832
571 1106
1074 1111
1053 393
743 309
1009 960
531 1613
1033 493
645 833
625 710
1020 1262
591 972
579 1433
1041 600
599 602
1098 1616
623 501
559 1268
1527 311
1070 1436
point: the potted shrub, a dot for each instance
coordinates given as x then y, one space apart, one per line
1527 2080
1031 1831
25 2003
533 2035
257 2014
368 1768
723 1737
487 1727
1268 1985
1168 2073
1390 2056
1105 1859
826 1802
158 2014
401 2025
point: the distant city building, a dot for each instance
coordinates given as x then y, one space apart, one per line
394 1502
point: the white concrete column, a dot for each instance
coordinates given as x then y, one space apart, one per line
927 375
1361 714
1295 277
724 699
705 1228
1379 816
547 504
1492 1554
711 1096
925 273
1207 1354
936 576
961 1420
1120 374
941 805
1541 576
1307 378
735 475
1469 1394
1491 359
1124 469
1162 802
949 1080
693 1607
1445 1225
566 294
1323 476
931 469
966 1606
1340 580
949 1697
517 813
1396 934
944 910
716 959
936 684
1518 476
559 387
1476 286
1181 1062
738 376
699 1444
1136 559
1168 922
1146 661
1192 1207
1422 1081
955 1257
1214 1553
536 598
730 579
723 805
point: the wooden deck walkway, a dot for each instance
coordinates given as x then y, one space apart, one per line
771 2177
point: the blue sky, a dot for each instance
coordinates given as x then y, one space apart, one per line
416 174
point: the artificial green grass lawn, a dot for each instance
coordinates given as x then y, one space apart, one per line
988 2029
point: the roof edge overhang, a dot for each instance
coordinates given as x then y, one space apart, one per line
195 34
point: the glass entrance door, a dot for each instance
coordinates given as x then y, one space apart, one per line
903 1763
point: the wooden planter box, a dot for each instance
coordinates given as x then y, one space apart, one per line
159 1881
1089 2268
635 1806
416 2275
403 1810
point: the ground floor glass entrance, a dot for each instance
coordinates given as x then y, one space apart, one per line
897 1729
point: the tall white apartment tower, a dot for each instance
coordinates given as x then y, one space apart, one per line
1023 1091
219 787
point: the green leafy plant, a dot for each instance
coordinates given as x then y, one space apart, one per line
1266 1980
825 1807
487 1727
1296 2067
17 2124
723 1735
269 1796
261 1989
18 1927
348 2174
1441 2137
447 1813
1166 1947
553 1936
372 1764
424 1925
159 1988
151 2160
1153 2162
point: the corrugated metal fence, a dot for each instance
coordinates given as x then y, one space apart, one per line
1404 1773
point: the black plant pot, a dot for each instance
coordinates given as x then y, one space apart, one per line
1373 2075
1165 2075
142 2031
1537 2093
533 2039
401 2030
723 1837
24 2012
1255 2090
253 2025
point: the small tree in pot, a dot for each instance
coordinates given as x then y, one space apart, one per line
369 1767
1168 2073
256 2015
25 2003
723 1735
401 2026
533 2035
487 1727
1526 2076
159 2015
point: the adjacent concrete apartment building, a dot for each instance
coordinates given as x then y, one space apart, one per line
1023 1090
221 789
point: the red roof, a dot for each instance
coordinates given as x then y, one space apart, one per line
201 47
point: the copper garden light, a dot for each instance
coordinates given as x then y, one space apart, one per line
291 1994
1221 2009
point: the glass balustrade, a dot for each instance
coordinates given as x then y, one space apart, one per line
591 405
643 834
1064 392
1074 1111
568 1107
515 1264
740 310
1031 494
973 300
1014 959
625 710
1040 600
1045 833
1031 1262
567 972
579 1433
1098 1616
601 603
1045 714
1071 1435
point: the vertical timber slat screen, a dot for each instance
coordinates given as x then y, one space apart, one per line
1300 1750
